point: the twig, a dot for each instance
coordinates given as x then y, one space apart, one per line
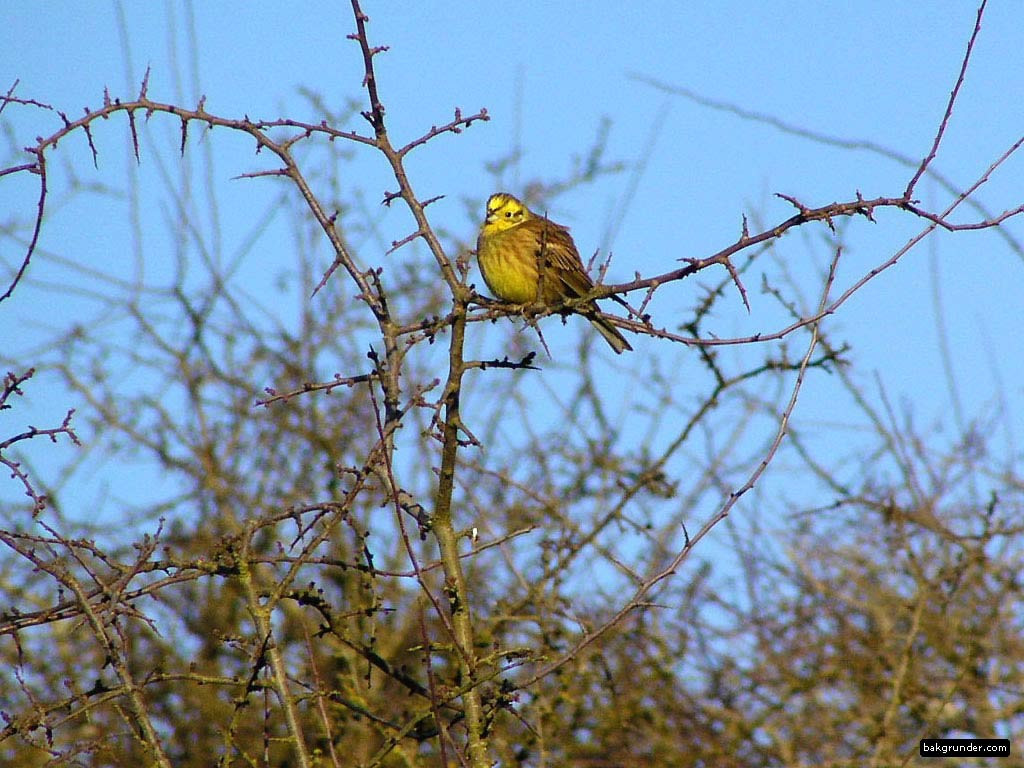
909 192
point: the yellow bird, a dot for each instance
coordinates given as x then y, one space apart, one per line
526 259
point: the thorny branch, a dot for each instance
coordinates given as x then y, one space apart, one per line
467 700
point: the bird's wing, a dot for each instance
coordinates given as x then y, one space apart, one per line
556 248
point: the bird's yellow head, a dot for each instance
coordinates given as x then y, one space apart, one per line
504 212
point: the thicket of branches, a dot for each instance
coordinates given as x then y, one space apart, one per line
415 562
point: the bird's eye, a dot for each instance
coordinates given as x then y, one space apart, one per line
508 214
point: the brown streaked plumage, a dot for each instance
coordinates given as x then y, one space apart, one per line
526 258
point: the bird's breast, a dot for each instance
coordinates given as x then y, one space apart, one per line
509 266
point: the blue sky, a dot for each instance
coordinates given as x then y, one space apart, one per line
548 74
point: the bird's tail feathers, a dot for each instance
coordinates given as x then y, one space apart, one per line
611 334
